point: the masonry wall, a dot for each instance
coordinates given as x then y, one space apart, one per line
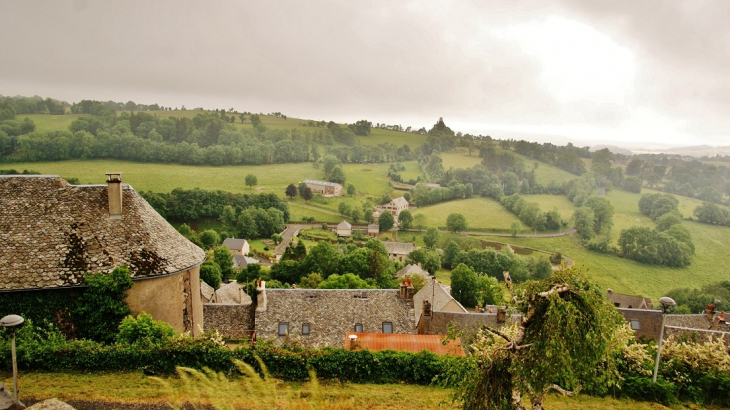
331 313
465 323
695 335
694 322
174 299
231 320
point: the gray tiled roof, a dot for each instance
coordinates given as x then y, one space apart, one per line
52 233
344 225
234 243
315 182
232 293
400 201
399 248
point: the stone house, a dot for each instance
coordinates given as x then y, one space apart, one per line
237 246
241 261
322 317
395 206
53 233
434 297
411 270
628 301
398 251
344 229
373 230
232 293
324 188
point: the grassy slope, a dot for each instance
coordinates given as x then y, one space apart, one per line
134 387
549 202
45 122
479 212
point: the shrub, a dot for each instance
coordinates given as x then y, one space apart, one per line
144 329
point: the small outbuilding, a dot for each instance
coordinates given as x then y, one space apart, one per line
344 229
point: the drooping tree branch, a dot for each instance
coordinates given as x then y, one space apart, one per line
565 392
556 289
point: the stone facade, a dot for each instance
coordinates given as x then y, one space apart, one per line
330 314
695 335
231 320
694 322
465 323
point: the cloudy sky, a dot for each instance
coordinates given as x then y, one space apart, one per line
622 72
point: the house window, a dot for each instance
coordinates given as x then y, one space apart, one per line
635 324
358 327
387 327
305 329
284 329
618 305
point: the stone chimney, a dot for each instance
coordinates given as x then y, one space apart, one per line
261 297
406 290
114 190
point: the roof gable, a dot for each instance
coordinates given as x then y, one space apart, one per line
52 233
399 202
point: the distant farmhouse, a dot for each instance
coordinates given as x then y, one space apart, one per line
373 230
398 251
395 207
324 188
628 301
344 229
241 261
237 246
53 233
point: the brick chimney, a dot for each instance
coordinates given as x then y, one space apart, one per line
114 191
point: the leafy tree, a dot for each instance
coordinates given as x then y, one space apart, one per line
277 238
539 268
456 222
584 220
287 271
301 187
464 285
361 127
307 194
190 234
711 214
530 358
311 281
291 191
515 228
223 257
144 329
407 196
488 291
632 184
420 221
602 214
209 238
255 120
432 236
450 253
251 180
356 214
337 175
668 220
405 219
417 281
351 190
386 221
323 258
210 273
101 307
346 281
429 259
344 208
228 216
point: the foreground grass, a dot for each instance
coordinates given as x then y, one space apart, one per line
134 387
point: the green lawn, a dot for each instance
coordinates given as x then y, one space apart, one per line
480 213
550 202
46 122
460 158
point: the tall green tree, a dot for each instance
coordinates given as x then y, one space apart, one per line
432 236
210 273
464 285
251 180
386 221
223 257
456 222
291 191
405 219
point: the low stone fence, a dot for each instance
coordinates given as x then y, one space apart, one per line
695 335
234 321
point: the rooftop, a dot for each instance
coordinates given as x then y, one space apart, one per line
233 243
315 182
399 248
405 342
52 233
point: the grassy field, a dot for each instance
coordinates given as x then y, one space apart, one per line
550 202
460 158
46 122
479 212
135 388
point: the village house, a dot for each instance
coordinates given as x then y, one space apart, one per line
395 207
373 230
237 246
398 251
241 261
53 233
344 229
324 188
412 270
628 301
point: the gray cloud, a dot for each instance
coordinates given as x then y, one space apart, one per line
389 62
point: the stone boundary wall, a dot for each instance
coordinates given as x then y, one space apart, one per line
695 335
231 320
468 323
694 322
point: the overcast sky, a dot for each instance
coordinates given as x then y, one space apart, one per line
652 72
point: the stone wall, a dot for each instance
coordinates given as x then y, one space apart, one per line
231 320
694 335
694 322
465 323
331 313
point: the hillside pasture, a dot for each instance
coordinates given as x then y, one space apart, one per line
480 213
460 158
47 122
550 202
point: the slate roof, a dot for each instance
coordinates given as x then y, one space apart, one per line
241 261
411 270
399 248
621 300
405 342
344 225
231 293
374 227
206 292
400 202
233 243
52 233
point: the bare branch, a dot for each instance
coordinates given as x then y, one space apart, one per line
556 289
498 333
565 392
